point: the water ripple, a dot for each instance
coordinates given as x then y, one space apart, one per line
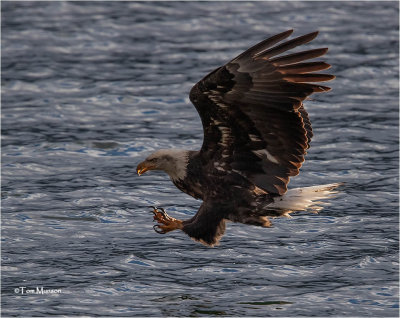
91 88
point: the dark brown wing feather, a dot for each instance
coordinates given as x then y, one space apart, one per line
252 111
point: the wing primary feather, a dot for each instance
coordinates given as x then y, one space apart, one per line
286 46
317 88
303 78
298 57
301 68
262 46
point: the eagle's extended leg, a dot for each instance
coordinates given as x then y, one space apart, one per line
165 222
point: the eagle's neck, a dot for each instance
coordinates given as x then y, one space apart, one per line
177 166
189 177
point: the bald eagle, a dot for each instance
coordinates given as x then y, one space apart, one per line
256 133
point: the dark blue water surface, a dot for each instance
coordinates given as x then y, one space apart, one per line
90 88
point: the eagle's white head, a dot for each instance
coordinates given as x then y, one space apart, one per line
172 161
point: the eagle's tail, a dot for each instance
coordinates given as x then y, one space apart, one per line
302 199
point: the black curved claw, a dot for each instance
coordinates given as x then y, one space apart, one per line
159 210
158 229
154 209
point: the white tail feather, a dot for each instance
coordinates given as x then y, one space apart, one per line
301 199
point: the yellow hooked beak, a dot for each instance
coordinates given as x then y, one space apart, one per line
143 167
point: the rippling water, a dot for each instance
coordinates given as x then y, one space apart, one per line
89 89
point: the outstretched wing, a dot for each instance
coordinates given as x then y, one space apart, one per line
252 112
